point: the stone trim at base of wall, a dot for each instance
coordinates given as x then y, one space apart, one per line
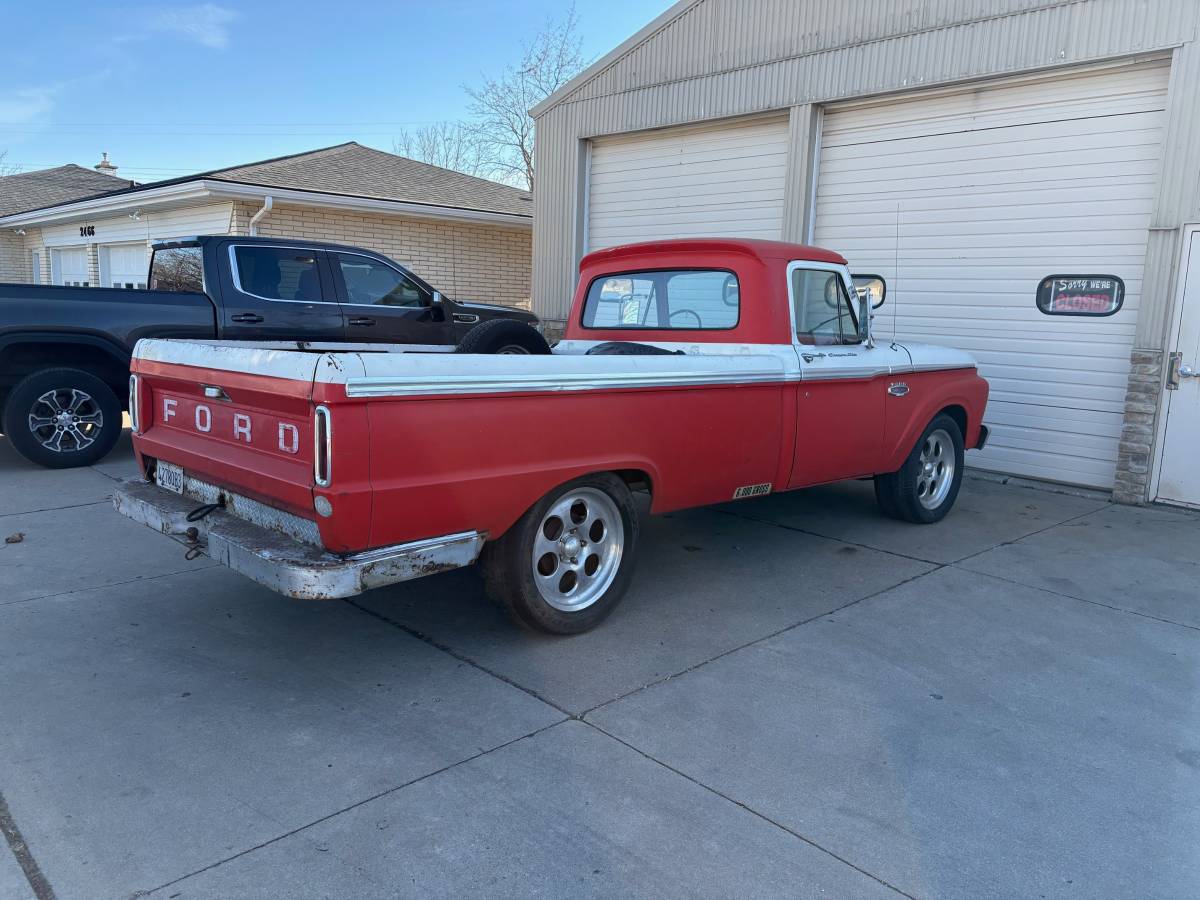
1134 454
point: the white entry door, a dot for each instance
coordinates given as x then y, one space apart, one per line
1179 474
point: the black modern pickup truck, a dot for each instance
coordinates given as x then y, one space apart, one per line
65 351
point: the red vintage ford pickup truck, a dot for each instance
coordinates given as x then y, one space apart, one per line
698 371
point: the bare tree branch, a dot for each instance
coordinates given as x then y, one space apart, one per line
6 169
450 145
501 105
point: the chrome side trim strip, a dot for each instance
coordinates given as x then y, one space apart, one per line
447 385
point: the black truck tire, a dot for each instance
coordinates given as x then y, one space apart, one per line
503 336
567 563
924 489
62 418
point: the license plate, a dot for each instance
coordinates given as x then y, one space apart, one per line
169 476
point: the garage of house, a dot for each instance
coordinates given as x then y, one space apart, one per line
467 236
966 158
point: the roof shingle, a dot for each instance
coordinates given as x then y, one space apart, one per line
49 187
359 171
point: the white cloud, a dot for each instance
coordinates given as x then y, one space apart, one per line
24 105
206 24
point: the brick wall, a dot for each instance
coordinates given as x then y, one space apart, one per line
14 265
1142 396
487 263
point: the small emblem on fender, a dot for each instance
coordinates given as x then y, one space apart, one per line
752 490
898 389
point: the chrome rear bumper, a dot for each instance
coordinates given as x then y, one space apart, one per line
282 563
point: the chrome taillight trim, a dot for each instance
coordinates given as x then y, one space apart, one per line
322 446
134 402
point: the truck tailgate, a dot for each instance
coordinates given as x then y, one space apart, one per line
238 418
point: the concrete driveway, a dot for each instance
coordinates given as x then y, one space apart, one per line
798 699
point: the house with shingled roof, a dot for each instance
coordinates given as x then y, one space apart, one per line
469 236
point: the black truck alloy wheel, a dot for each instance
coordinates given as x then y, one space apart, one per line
62 418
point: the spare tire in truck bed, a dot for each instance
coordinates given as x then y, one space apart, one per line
503 336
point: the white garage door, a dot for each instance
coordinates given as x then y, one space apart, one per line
700 181
69 265
124 265
965 201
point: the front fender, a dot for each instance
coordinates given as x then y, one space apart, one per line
929 394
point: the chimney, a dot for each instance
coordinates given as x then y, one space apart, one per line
105 166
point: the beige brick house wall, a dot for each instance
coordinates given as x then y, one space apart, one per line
487 263
13 263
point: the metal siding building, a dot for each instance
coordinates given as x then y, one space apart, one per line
964 149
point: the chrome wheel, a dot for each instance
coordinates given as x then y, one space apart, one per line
936 473
66 420
577 549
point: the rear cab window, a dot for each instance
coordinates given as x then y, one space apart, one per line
178 269
680 299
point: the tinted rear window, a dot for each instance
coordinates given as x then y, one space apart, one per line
681 299
178 269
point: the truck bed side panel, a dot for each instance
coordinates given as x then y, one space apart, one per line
118 315
444 465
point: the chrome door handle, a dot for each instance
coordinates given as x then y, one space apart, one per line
362 320
247 318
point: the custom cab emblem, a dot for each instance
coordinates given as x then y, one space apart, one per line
897 388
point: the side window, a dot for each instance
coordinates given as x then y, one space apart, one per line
824 314
278 273
683 300
371 283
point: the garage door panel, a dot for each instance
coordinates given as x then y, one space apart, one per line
1072 95
965 202
716 180
1042 140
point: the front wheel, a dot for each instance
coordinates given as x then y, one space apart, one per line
504 336
62 418
566 564
924 489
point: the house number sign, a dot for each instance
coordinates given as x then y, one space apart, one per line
87 230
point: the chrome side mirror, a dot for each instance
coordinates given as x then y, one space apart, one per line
872 288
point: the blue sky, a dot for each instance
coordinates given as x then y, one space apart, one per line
168 89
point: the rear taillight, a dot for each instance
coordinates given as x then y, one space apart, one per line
135 400
322 447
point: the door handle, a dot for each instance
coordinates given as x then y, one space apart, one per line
247 318
1177 370
362 320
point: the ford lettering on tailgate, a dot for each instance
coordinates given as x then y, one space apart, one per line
259 430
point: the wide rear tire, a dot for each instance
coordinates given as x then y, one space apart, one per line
567 563
62 418
504 336
924 489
